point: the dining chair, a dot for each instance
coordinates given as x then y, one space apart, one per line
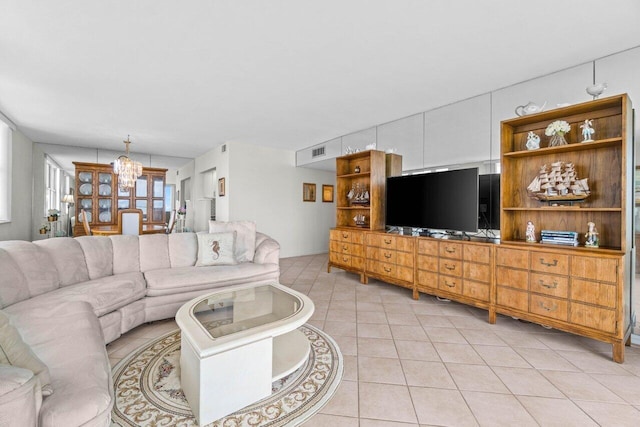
130 221
85 223
172 222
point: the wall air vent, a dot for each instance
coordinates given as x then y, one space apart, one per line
317 152
224 148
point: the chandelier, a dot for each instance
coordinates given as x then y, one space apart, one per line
127 170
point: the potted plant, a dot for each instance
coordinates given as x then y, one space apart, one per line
181 212
53 215
44 228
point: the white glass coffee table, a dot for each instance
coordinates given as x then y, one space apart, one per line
236 342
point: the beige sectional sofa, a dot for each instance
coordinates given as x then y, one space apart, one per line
68 297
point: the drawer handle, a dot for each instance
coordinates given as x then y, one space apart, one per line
345 235
450 267
388 242
449 250
546 308
345 247
345 259
547 285
387 255
388 270
549 264
446 283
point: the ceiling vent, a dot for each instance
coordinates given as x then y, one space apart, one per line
317 152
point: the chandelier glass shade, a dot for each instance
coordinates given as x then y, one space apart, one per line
127 170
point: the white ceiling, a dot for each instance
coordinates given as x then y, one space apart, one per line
184 77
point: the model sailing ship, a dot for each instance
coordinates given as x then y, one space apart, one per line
559 182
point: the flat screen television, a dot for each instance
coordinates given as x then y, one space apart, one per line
439 201
489 202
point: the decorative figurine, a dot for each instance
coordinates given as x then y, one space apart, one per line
531 232
591 236
530 108
357 169
596 90
533 141
587 130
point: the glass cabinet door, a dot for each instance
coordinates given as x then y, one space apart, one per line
158 210
157 214
142 205
104 210
141 187
84 204
86 184
158 187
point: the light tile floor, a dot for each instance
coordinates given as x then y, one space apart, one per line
431 363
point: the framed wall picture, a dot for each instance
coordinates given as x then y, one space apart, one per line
327 193
221 187
308 192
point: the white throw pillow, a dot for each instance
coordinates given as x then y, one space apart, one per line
14 351
216 249
245 237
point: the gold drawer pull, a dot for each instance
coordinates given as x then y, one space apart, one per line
450 267
549 264
544 307
345 235
345 247
387 255
388 242
547 285
449 250
345 259
386 269
446 283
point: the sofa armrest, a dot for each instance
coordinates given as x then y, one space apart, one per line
267 250
20 397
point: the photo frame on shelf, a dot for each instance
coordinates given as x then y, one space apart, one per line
327 193
221 187
308 192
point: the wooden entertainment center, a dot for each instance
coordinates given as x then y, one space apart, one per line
585 291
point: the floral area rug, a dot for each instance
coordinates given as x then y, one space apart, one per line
148 393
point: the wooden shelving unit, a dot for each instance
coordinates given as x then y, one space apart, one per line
575 304
369 170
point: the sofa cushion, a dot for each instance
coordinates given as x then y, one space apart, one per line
126 253
184 279
154 252
13 284
105 294
245 237
35 264
98 255
216 249
20 397
68 339
14 351
68 257
183 249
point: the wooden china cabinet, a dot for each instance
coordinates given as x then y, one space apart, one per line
98 194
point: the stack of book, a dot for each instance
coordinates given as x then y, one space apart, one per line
555 237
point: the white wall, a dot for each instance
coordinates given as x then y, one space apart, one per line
264 185
21 191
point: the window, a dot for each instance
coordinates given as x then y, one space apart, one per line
56 184
5 172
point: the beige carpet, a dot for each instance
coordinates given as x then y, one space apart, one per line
148 393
